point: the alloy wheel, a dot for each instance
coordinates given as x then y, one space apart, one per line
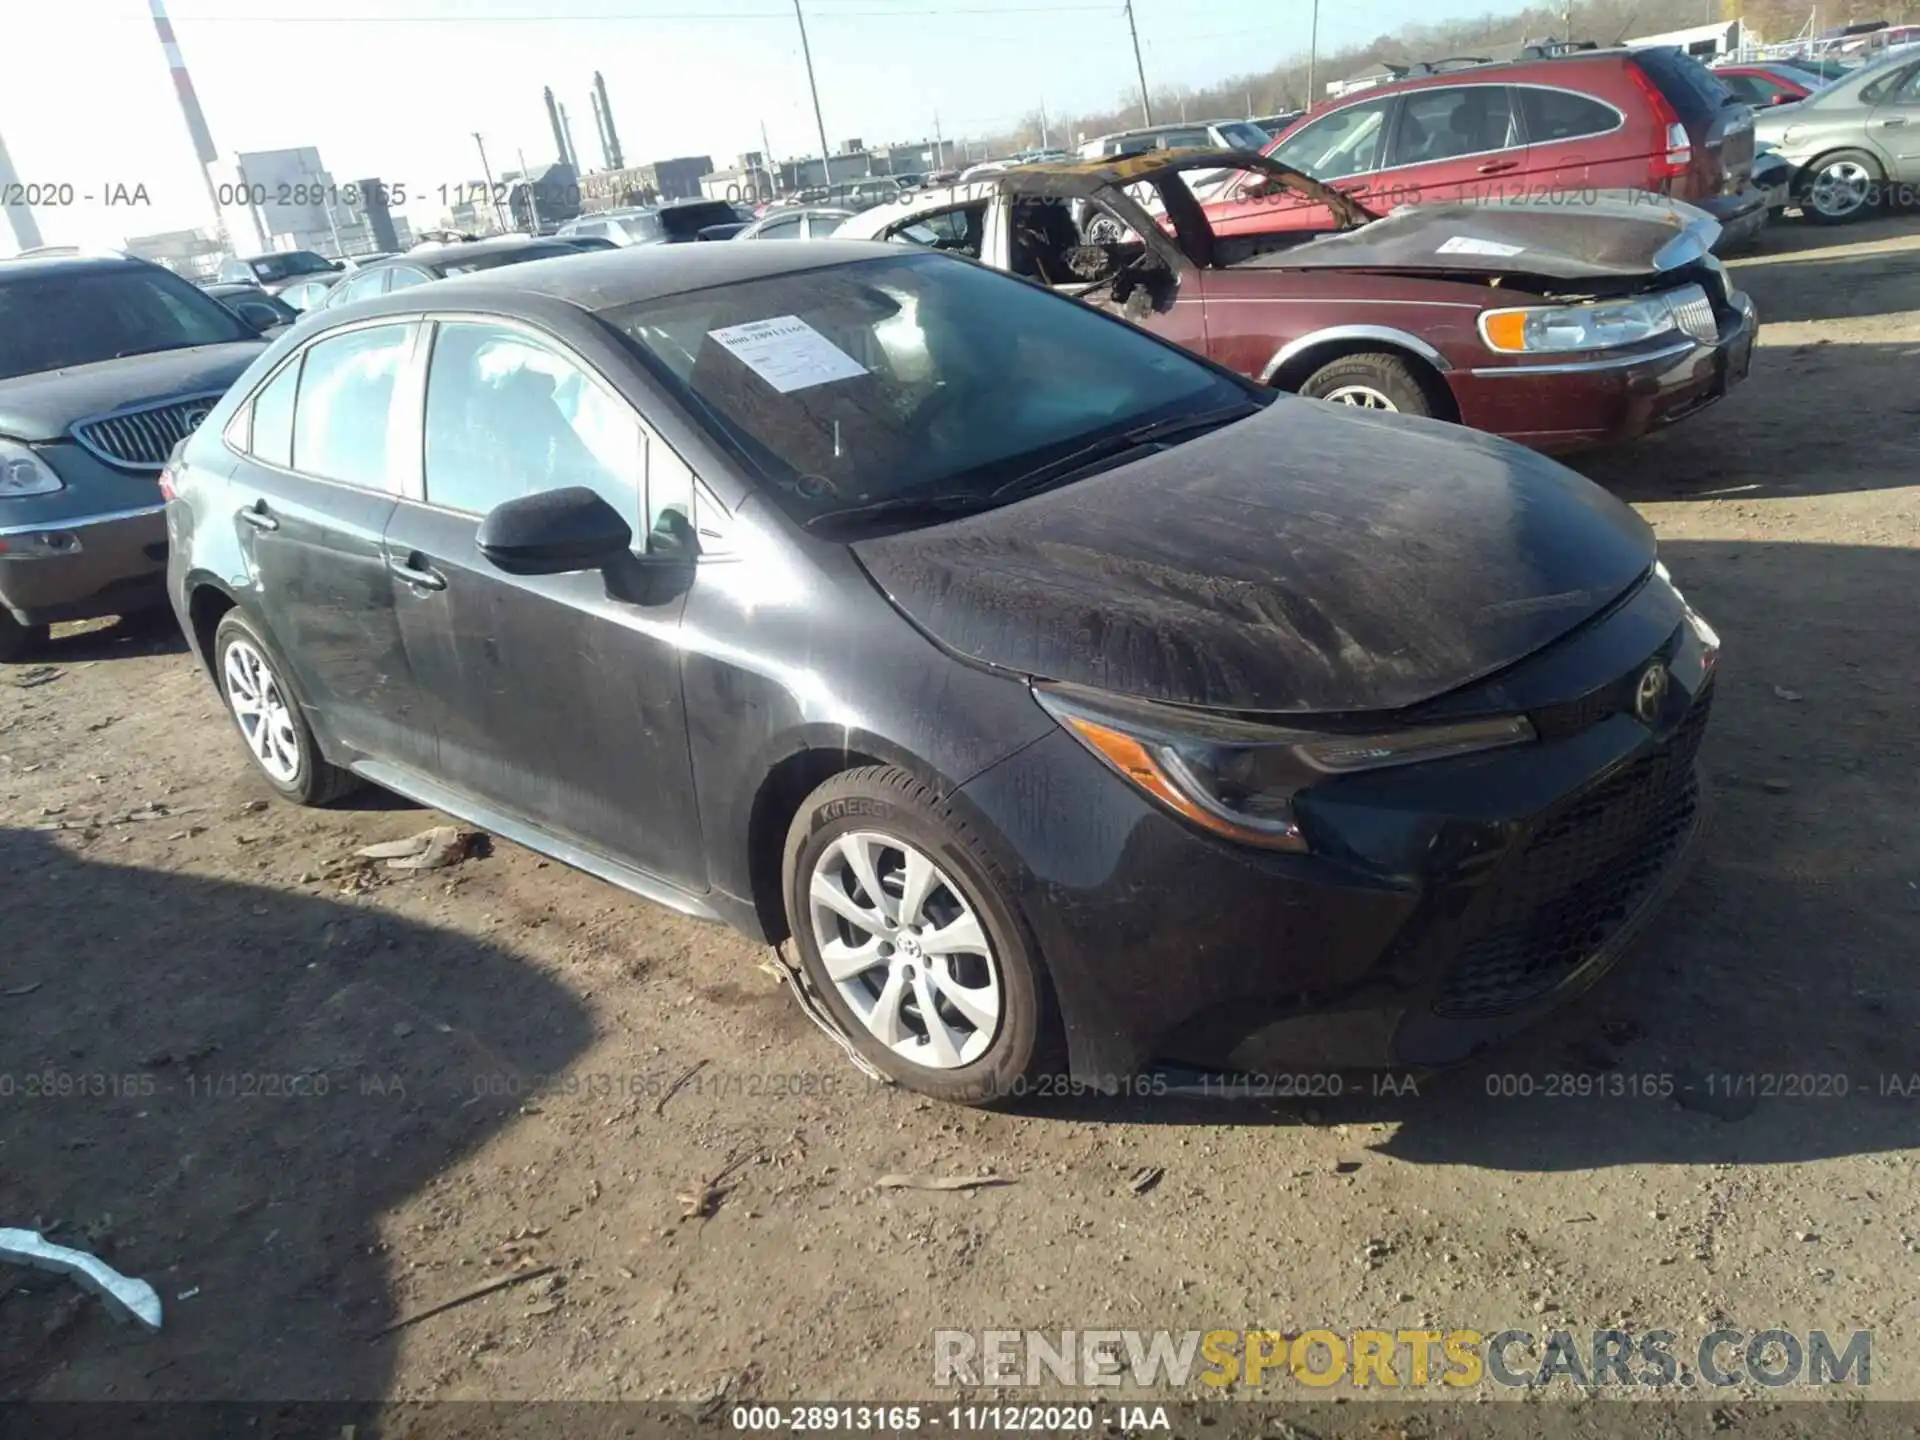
905 948
260 705
1364 397
1841 189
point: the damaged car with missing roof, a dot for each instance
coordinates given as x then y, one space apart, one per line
1561 327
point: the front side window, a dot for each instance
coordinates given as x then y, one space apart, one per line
508 416
343 420
786 228
1347 142
1451 121
405 275
363 286
54 318
905 377
962 228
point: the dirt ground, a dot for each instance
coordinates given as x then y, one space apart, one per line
306 1105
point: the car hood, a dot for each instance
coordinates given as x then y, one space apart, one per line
44 406
1609 235
1312 558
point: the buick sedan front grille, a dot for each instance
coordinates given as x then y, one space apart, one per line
142 438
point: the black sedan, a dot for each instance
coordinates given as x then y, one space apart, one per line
1073 703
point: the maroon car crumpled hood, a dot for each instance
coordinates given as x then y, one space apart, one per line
1605 236
1312 558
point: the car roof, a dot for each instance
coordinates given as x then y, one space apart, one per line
595 280
43 264
462 251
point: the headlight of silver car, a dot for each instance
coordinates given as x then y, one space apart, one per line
1599 325
24 473
1238 779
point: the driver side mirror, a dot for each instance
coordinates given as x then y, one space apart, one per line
557 532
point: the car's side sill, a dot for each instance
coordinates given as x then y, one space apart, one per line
418 788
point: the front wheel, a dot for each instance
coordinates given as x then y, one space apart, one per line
1842 187
906 929
264 709
17 641
1371 382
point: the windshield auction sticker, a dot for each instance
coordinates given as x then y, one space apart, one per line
788 353
1470 245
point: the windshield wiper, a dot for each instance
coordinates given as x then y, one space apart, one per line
1076 462
907 507
171 345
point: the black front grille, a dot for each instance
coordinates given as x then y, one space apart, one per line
1583 873
142 439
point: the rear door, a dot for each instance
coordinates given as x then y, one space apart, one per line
557 697
1451 143
330 444
1577 142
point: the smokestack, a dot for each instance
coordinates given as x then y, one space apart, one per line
615 160
26 234
196 122
566 134
559 135
600 129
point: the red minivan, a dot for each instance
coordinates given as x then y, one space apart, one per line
1549 128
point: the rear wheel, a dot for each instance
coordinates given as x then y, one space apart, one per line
906 929
252 678
1841 187
18 641
1371 382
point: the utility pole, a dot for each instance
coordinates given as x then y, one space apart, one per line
939 144
526 182
1146 102
1044 143
1313 52
806 53
487 171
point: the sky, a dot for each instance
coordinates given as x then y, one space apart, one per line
397 88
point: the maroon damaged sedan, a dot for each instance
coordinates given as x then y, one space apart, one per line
1561 326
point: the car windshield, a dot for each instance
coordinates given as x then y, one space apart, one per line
1244 135
294 262
917 377
51 319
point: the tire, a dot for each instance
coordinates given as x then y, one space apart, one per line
289 758
887 814
1861 169
19 642
1372 382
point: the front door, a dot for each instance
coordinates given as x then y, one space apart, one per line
330 443
557 697
1895 126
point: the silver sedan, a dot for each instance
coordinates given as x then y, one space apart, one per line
1855 145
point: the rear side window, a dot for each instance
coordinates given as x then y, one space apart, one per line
1450 121
273 418
342 423
1563 115
1346 142
405 275
785 229
1695 92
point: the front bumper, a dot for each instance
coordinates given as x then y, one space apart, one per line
1579 404
1445 906
84 567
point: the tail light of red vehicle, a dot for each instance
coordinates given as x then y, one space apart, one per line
1678 157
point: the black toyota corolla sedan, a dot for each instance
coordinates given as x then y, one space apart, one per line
1075 705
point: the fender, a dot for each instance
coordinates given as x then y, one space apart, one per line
1386 334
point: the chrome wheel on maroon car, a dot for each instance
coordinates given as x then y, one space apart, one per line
1363 396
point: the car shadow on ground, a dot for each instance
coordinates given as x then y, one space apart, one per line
1769 1013
1795 235
1844 286
222 1089
1799 426
146 632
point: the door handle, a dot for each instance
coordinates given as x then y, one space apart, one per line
259 517
417 572
1494 167
1896 121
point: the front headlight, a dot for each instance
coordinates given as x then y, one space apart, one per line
1599 325
24 473
1238 779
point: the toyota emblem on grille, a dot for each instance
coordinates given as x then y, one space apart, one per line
1651 690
